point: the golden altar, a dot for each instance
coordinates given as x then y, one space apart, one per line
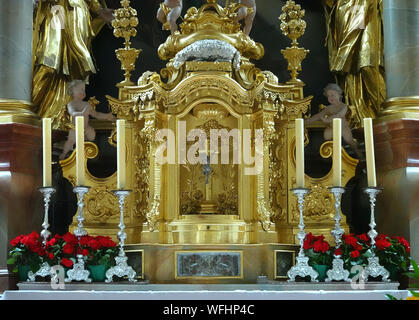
172 207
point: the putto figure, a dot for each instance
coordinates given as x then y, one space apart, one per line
336 109
243 13
168 13
78 107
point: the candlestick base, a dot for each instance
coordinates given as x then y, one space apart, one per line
337 272
44 271
301 268
78 272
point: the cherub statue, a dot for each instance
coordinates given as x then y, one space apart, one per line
243 13
77 107
168 13
336 109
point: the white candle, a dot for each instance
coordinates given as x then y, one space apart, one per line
369 151
46 141
80 151
120 151
337 152
299 152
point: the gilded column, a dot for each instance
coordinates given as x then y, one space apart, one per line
396 131
16 61
20 135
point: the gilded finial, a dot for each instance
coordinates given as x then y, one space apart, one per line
125 24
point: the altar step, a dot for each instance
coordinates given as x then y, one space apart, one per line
146 291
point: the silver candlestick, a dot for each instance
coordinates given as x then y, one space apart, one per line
47 193
78 272
337 272
45 269
374 269
121 268
301 268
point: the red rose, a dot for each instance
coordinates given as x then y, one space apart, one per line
95 245
57 236
106 242
68 249
338 252
320 246
307 245
357 247
51 256
364 237
85 252
40 251
66 262
354 254
70 238
51 242
16 241
85 240
350 240
382 244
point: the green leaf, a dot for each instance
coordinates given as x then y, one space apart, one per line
390 297
415 266
11 261
415 294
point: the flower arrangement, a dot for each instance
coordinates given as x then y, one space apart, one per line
318 250
28 250
393 252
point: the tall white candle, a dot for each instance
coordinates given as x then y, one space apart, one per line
120 146
369 151
337 152
299 152
47 152
80 151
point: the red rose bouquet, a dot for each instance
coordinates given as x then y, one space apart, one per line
393 253
318 250
62 250
27 250
355 250
99 250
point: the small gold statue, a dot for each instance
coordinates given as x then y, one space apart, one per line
168 13
336 109
78 107
248 13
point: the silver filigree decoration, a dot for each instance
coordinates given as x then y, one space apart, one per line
374 269
208 50
78 272
121 268
81 191
44 271
301 268
337 272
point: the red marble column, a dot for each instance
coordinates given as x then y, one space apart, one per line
20 176
397 160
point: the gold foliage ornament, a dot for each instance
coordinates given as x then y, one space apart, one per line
293 26
124 27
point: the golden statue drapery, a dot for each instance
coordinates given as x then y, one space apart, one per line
63 33
355 43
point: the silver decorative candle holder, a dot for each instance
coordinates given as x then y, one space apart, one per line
121 268
45 269
78 272
337 272
374 269
301 268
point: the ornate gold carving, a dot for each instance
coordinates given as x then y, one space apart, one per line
293 26
124 23
318 206
277 190
211 21
101 204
